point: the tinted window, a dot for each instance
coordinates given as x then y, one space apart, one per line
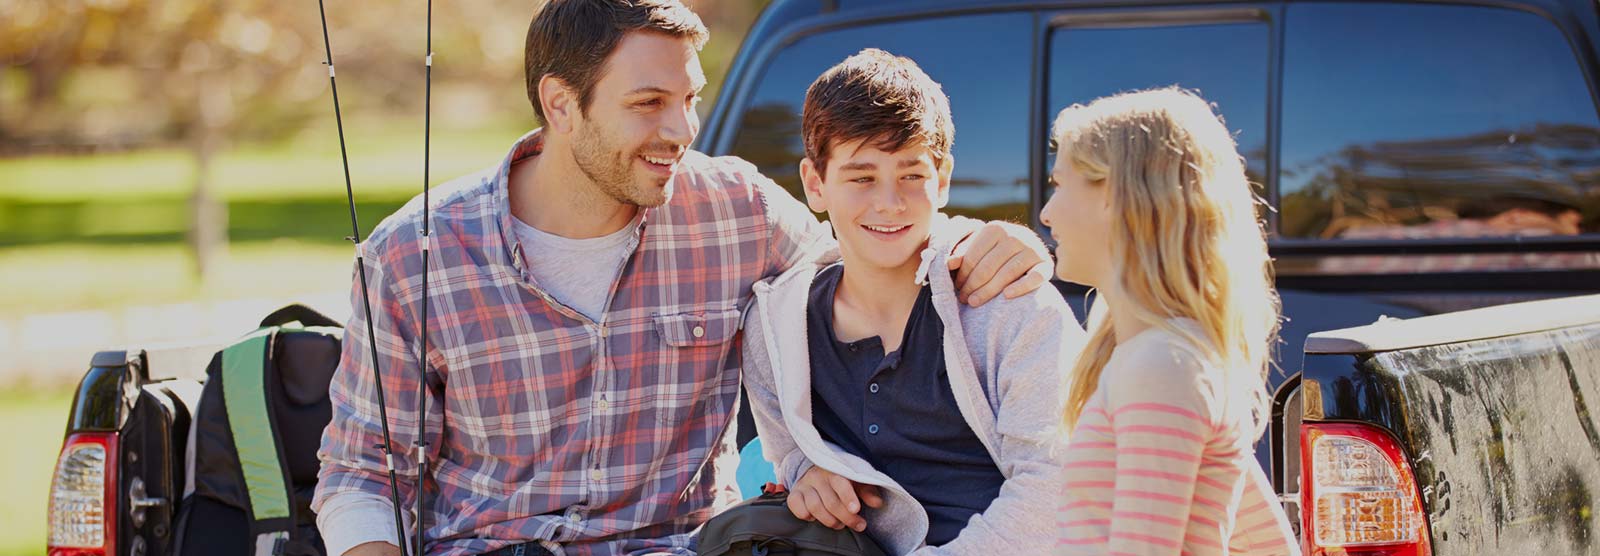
990 106
1226 63
1433 121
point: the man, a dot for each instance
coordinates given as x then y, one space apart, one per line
585 303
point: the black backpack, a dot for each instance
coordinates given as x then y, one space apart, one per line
764 526
252 453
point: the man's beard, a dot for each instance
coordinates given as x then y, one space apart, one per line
610 168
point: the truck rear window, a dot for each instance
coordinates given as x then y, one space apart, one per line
1430 121
990 110
1225 62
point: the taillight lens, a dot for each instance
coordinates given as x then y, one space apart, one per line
83 497
1360 497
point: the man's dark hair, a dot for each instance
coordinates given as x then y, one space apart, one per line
878 98
571 39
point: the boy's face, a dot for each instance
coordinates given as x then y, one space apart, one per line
881 203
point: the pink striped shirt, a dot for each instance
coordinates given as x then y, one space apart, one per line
1154 468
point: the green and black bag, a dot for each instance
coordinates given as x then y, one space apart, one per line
252 449
764 526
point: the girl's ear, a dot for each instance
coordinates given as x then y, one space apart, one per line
811 178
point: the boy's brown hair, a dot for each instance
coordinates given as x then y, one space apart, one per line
571 39
881 99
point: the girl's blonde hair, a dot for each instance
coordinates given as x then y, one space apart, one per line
1184 241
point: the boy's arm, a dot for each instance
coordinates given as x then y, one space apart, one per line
815 494
1032 342
760 381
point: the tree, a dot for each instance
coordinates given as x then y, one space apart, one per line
205 74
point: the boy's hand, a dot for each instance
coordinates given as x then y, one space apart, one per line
999 256
834 501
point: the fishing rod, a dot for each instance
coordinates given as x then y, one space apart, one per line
421 443
366 301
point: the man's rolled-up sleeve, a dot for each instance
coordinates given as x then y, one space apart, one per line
353 484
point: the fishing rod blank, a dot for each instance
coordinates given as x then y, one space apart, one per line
366 301
421 443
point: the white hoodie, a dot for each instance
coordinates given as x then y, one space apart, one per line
1006 361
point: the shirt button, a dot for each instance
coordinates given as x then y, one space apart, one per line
595 474
872 429
602 405
699 331
872 387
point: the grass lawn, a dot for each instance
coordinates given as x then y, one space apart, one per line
104 231
294 189
34 422
385 160
57 278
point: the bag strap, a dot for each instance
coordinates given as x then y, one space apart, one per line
250 422
296 312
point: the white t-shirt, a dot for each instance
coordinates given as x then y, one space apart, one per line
577 272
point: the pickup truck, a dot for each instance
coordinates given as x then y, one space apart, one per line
1431 172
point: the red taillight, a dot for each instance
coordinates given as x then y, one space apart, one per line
1358 496
83 497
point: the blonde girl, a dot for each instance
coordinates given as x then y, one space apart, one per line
1152 209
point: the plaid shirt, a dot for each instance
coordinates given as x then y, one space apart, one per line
609 437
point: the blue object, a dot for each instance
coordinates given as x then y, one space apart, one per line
753 471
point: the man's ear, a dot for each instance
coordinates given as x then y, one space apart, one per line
560 104
946 170
811 179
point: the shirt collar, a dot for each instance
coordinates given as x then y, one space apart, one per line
529 145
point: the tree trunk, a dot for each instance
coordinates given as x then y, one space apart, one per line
208 224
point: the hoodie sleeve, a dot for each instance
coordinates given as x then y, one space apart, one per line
1021 348
777 444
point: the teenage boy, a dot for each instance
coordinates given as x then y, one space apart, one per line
887 405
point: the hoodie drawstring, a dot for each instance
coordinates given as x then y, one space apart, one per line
928 255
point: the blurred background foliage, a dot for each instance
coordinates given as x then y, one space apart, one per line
187 126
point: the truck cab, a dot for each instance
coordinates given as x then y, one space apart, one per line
1417 162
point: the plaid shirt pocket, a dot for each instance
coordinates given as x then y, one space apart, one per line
694 338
